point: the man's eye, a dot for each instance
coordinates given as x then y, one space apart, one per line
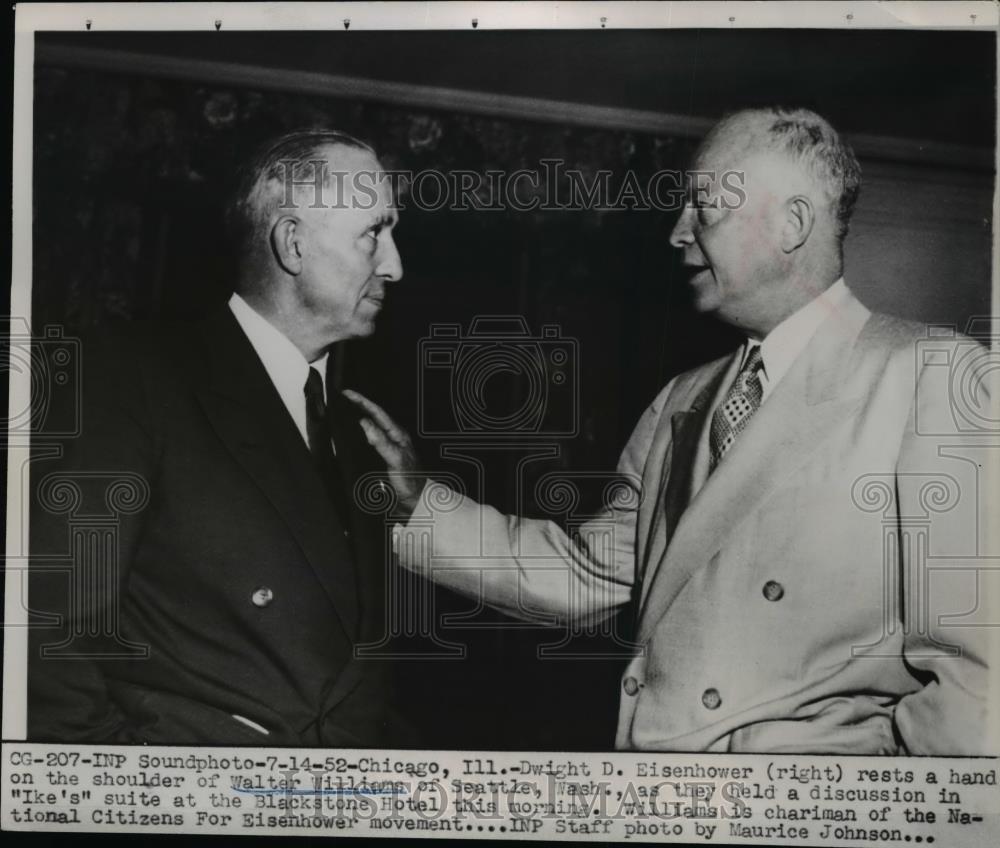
708 213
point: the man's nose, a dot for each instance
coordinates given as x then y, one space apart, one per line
390 266
683 234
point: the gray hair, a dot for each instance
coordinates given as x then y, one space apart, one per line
262 180
810 139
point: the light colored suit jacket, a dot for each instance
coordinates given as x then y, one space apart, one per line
819 593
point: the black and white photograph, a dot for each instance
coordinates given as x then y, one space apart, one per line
474 382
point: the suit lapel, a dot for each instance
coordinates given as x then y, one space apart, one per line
249 417
803 410
686 427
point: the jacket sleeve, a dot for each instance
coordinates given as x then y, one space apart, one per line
524 567
89 492
946 477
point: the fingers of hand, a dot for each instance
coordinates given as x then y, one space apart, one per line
358 398
377 439
370 430
375 430
378 415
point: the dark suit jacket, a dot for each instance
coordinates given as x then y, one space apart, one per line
196 563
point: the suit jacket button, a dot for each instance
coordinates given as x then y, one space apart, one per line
262 596
711 699
773 590
631 685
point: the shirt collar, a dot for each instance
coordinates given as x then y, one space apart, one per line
283 361
784 343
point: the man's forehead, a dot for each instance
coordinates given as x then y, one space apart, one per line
723 149
749 156
734 138
354 179
357 164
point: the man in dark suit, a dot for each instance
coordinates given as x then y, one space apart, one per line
197 552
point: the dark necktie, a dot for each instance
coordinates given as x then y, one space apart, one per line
320 445
739 405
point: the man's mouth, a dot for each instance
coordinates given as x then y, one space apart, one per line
377 300
692 271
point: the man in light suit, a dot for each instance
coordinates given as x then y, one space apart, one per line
797 544
233 574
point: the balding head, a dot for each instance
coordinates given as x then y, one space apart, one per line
312 219
756 261
805 140
301 160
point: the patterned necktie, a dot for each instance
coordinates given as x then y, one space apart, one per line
321 447
739 405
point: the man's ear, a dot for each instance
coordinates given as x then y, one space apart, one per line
799 219
286 243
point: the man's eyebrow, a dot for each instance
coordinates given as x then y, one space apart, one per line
700 196
383 219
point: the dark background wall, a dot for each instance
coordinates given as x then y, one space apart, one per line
131 165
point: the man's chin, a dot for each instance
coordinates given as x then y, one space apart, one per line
358 330
704 291
706 300
365 329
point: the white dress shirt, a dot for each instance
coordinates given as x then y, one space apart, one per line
779 349
283 361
